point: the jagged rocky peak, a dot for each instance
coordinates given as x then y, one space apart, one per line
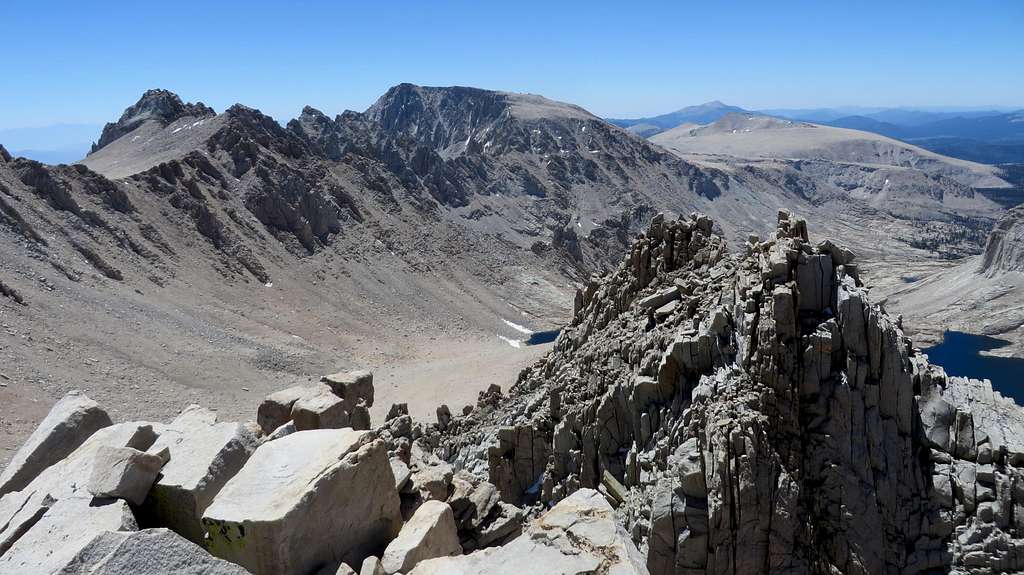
4 154
162 106
452 117
1004 251
331 138
755 412
411 109
311 123
264 129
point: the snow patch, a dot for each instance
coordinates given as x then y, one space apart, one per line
268 284
517 327
513 342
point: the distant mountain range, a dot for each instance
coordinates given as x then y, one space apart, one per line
702 114
991 136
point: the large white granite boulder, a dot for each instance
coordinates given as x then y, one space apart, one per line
124 473
321 409
304 501
430 533
70 422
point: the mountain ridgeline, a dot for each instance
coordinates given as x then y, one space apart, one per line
562 185
459 151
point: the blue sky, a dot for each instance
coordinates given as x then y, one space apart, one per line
84 62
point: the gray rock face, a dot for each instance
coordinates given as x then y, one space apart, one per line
1004 250
124 473
430 533
401 472
70 422
146 552
353 386
579 535
432 481
204 455
286 509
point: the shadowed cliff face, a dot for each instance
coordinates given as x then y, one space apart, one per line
1004 251
761 415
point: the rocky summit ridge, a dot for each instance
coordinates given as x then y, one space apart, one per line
706 411
156 105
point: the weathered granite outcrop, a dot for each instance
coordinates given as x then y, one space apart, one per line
769 419
125 473
63 532
22 512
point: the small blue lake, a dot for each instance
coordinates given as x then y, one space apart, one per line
959 353
539 337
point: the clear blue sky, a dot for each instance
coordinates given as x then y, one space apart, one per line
84 61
